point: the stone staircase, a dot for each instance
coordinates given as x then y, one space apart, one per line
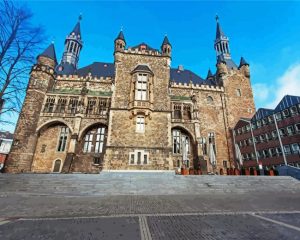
142 183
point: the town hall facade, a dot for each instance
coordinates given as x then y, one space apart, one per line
136 113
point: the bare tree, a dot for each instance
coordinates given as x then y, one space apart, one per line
19 44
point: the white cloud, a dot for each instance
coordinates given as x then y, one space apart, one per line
288 83
261 91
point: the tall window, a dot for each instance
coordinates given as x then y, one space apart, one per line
64 131
49 106
99 140
139 157
141 87
176 141
140 124
94 140
187 112
88 142
177 111
211 140
61 105
91 106
73 103
102 107
238 92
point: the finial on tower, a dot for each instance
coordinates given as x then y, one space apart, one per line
217 18
80 17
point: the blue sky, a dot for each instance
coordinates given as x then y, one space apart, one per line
266 34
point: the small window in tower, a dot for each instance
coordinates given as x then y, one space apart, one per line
238 92
210 99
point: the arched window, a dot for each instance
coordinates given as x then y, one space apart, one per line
94 140
57 164
210 99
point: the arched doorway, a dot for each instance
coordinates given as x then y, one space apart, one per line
183 148
57 165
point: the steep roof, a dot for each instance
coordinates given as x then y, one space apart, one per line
209 74
65 69
121 36
166 41
243 62
98 69
49 52
185 76
228 61
76 29
286 102
219 32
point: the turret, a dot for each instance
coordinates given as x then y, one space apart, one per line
120 42
73 46
244 67
210 76
166 47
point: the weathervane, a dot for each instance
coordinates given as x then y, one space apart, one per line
217 18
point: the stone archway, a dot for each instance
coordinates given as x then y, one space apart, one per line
52 143
184 148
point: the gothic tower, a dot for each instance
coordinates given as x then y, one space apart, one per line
41 79
221 43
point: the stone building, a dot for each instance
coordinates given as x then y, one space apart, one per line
136 113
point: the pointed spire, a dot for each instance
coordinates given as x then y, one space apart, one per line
121 36
219 32
243 62
76 29
209 74
49 52
166 41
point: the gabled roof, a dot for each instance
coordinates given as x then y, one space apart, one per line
286 102
262 113
98 69
146 45
185 76
166 41
142 68
50 52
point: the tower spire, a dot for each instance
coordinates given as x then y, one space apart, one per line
221 42
73 46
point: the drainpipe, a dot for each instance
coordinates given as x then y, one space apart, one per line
280 142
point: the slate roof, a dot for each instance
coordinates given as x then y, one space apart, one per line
121 36
286 102
262 113
243 62
185 76
219 32
76 29
144 44
67 69
209 74
98 69
229 62
166 41
50 52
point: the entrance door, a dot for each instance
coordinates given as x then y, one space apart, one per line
56 167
